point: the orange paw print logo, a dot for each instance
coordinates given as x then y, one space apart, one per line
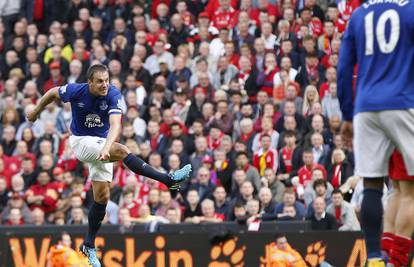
227 254
315 253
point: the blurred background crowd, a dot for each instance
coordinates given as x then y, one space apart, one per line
244 90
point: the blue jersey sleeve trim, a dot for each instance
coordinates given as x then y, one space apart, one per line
115 111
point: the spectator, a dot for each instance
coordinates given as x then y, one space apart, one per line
160 55
192 206
340 170
157 140
224 74
265 78
305 172
77 216
318 188
203 184
290 155
3 194
271 181
268 204
173 216
62 253
282 254
289 199
330 103
343 212
8 141
42 195
16 201
37 217
144 215
56 79
125 219
201 151
267 128
319 149
320 219
208 213
266 157
221 204
286 65
154 200
15 217
166 202
130 202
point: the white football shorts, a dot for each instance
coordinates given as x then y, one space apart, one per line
87 149
376 135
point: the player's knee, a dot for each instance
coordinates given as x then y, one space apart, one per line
123 151
406 200
102 197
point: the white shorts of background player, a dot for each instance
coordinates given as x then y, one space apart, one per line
376 135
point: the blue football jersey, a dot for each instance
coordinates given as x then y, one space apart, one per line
380 40
90 114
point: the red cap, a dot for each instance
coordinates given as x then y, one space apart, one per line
54 65
203 15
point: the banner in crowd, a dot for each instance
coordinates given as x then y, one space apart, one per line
191 250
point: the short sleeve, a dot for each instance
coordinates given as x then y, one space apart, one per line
115 103
67 91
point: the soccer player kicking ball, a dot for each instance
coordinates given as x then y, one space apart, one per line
379 38
96 123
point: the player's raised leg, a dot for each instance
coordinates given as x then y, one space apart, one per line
120 152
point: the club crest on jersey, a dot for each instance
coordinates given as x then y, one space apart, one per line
93 120
103 105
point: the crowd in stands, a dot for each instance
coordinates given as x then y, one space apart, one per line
244 90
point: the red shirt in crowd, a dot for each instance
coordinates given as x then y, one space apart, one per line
263 160
213 6
166 130
305 173
49 193
271 9
287 155
224 18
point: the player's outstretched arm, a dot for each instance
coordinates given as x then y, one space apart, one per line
114 131
49 97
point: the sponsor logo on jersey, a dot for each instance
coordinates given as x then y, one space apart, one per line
93 120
